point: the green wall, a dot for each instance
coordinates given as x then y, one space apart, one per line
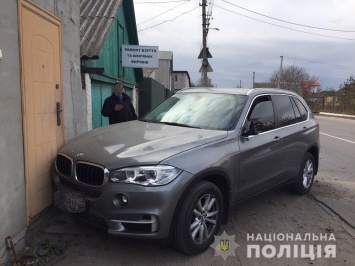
110 60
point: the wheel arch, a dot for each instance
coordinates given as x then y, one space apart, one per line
315 153
215 176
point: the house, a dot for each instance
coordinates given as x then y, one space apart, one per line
181 79
42 106
52 74
310 88
106 25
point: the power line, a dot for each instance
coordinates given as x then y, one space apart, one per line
163 13
348 39
316 62
168 19
162 2
302 25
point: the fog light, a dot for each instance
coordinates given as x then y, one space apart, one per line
120 200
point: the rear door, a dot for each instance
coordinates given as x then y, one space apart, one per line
291 119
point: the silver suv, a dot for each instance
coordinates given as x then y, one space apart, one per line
176 173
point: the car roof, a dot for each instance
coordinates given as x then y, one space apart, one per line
239 91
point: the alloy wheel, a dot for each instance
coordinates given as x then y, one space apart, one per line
204 218
308 173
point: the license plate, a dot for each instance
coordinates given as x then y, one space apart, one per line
69 201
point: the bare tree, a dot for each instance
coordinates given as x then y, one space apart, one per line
346 96
292 78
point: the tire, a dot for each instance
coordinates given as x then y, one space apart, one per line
199 219
306 176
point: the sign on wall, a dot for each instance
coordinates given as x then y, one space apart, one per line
138 56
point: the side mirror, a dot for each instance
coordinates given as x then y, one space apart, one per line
255 127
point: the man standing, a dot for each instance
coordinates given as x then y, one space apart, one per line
118 107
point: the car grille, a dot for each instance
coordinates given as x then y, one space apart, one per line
64 165
89 174
89 192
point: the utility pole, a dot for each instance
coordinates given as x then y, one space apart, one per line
204 43
204 54
253 78
280 72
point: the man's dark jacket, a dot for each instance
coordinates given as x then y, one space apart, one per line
127 113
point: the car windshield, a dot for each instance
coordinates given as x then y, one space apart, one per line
200 110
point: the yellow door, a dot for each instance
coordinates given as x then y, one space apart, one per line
40 42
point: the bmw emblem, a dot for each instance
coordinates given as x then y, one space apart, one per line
81 154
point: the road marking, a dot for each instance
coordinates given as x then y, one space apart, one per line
337 138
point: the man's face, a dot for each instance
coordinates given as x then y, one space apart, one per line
117 90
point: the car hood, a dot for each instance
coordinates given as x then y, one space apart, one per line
136 143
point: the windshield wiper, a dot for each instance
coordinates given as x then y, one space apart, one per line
178 124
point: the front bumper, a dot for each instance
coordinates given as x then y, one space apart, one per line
148 213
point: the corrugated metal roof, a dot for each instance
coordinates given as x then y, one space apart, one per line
96 18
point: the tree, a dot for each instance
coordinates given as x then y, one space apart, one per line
293 78
346 96
348 86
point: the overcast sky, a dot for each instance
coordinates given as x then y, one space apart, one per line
252 36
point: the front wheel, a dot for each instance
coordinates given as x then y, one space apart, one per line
199 219
306 176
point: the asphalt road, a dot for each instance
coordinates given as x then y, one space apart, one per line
288 220
337 155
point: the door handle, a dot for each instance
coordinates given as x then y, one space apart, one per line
277 138
59 121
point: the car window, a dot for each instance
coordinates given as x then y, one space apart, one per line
285 110
302 110
203 110
262 111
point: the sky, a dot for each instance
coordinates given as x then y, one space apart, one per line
252 35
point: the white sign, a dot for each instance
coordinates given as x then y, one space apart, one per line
137 56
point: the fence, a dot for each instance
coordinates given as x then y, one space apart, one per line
337 103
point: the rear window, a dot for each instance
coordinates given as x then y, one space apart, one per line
285 110
303 113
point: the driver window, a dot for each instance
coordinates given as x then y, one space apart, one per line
262 113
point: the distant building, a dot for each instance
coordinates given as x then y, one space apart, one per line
310 88
181 79
164 73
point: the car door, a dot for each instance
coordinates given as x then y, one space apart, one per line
260 158
291 119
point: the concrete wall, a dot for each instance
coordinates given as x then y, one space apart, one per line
12 179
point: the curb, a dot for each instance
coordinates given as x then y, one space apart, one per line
337 115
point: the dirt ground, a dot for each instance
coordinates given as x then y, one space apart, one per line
63 239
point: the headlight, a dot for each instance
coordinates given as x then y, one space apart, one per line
146 175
